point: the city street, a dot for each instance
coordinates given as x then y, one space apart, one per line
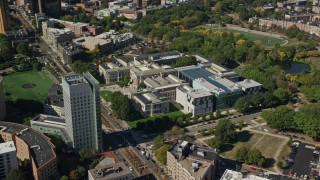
192 130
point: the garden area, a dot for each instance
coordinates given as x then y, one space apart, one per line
28 85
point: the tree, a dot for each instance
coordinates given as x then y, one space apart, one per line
281 94
126 80
14 175
241 124
142 86
87 153
23 49
307 120
81 67
254 156
280 118
242 153
256 100
225 131
157 142
121 105
185 61
161 154
37 66
64 178
242 105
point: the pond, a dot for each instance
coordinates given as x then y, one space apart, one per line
297 67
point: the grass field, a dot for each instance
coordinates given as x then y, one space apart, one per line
267 41
13 85
173 112
106 95
267 144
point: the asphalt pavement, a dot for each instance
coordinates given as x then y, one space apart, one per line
192 130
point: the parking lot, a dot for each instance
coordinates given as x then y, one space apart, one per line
301 165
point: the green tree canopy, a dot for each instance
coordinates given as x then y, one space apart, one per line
161 154
242 105
22 48
280 118
307 120
225 131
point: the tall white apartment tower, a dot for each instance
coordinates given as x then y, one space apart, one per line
82 110
8 158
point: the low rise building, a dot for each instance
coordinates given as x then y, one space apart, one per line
139 73
16 37
56 36
113 75
225 91
119 40
131 14
91 43
33 146
53 105
116 171
107 12
70 52
8 158
54 125
197 102
150 104
229 174
250 86
186 161
166 86
166 58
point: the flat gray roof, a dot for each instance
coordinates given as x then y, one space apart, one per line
41 155
110 171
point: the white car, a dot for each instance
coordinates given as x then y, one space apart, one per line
130 168
296 144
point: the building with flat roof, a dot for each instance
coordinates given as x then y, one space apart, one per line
166 58
139 73
33 146
8 158
54 125
114 171
234 175
226 92
194 101
166 86
250 86
56 36
186 161
113 75
53 105
91 43
70 52
17 36
150 104
82 110
3 112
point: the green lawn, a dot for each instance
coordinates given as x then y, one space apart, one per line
13 86
138 118
266 40
106 95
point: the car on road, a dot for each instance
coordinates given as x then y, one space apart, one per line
130 168
295 144
109 113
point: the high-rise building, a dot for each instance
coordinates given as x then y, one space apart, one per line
8 158
2 103
82 110
3 16
51 8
